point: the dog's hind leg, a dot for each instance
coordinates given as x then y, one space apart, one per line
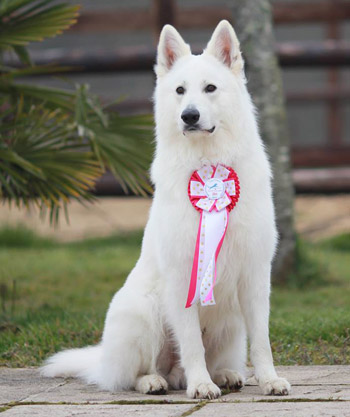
130 348
187 332
133 335
151 384
176 377
227 360
230 369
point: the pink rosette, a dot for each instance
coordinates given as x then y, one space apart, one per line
213 191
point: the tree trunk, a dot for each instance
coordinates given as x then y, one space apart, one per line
253 23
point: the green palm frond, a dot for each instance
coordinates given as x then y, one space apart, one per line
21 24
22 54
41 162
55 143
127 155
53 97
121 144
7 7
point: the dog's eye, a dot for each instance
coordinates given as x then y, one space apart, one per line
210 88
180 90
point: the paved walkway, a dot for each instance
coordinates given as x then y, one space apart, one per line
317 391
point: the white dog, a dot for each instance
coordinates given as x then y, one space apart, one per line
204 116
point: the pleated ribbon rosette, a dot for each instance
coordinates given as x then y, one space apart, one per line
213 191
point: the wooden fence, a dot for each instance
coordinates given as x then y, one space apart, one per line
332 54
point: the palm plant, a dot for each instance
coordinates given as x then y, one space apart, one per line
55 143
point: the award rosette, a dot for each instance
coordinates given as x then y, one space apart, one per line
214 192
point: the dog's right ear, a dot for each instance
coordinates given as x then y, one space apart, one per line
171 47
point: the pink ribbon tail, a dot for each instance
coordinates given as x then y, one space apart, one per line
193 282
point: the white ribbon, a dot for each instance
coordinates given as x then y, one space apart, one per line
213 228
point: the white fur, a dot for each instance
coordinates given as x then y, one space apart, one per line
148 334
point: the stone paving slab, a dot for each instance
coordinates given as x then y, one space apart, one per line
27 385
276 409
312 382
71 390
315 390
18 384
314 375
309 392
100 410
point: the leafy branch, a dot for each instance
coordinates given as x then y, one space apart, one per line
55 143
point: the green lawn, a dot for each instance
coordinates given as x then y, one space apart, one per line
62 292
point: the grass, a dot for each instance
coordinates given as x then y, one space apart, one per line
55 295
310 324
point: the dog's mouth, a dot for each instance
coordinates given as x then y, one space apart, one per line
198 129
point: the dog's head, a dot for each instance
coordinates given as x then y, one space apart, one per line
198 95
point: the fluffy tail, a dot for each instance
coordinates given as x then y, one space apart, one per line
81 363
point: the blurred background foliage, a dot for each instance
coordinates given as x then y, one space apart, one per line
55 143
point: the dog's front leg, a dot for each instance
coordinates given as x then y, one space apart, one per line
186 326
254 293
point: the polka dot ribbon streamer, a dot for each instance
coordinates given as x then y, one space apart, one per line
213 191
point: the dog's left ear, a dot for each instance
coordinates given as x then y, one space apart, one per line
171 47
224 45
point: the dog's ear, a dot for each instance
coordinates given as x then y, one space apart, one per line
224 45
171 47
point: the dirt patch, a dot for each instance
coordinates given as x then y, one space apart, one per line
319 217
105 217
316 217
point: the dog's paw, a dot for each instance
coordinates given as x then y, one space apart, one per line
276 386
228 379
176 378
151 384
206 391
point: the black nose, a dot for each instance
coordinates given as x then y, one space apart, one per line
190 116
